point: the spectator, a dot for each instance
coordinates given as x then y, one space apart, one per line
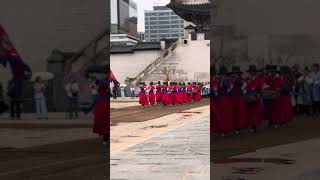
15 94
72 90
41 107
3 105
315 76
132 92
304 92
114 91
122 92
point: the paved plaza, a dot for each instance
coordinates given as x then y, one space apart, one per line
182 153
296 161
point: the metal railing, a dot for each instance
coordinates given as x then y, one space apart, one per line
93 47
156 63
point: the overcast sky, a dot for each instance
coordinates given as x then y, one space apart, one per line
147 5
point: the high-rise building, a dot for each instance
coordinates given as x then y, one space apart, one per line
161 23
124 17
141 36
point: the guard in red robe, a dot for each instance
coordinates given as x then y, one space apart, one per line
198 93
255 106
174 93
184 93
165 95
225 104
143 98
101 124
152 96
287 113
159 93
179 94
279 106
215 120
239 102
189 92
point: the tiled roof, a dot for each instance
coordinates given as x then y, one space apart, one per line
121 49
138 47
203 9
148 46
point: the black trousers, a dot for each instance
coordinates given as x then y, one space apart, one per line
106 137
3 107
316 107
15 109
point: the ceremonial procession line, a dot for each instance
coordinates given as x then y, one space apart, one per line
180 151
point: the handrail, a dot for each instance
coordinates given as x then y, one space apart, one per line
164 55
81 52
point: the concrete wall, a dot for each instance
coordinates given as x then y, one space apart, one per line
270 25
194 58
129 65
36 27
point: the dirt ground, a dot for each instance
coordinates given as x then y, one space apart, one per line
81 160
139 114
303 128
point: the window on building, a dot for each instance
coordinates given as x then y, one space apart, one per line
153 18
153 22
174 26
175 22
164 35
164 22
164 14
164 31
164 18
164 27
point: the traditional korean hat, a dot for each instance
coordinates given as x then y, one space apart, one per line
271 68
223 70
236 70
285 69
252 68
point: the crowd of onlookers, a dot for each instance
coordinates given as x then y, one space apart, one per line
13 100
306 89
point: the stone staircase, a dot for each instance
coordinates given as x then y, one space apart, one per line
157 69
95 52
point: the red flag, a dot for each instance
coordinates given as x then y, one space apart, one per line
6 47
113 77
8 53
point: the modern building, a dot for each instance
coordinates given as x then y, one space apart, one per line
161 23
124 17
141 36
